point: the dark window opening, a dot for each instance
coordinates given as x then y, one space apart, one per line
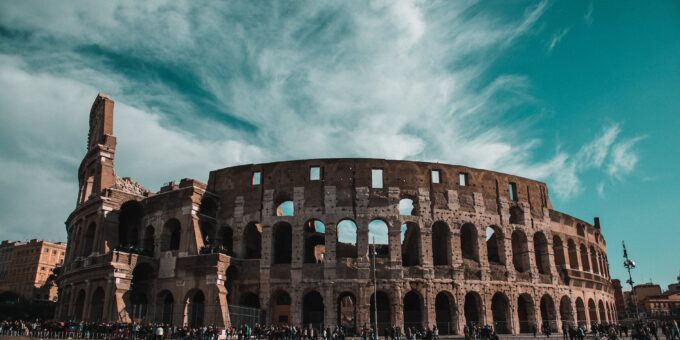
441 244
410 245
512 190
520 251
468 242
252 241
282 243
315 241
462 179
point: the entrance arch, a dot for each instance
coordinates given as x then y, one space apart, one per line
142 279
592 311
281 307
566 311
165 304
445 313
413 310
548 315
97 305
603 313
526 313
581 312
80 305
500 308
312 310
383 310
346 312
473 309
195 308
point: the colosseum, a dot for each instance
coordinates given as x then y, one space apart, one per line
328 242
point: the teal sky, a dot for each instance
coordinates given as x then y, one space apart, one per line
584 95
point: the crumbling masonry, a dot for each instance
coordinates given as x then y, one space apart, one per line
290 241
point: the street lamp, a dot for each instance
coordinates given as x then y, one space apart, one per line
629 265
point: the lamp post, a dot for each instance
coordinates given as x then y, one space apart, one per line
629 265
375 291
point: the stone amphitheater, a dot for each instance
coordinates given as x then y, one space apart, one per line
296 242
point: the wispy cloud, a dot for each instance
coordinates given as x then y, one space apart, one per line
557 37
588 17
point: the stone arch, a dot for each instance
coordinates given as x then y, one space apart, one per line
541 253
89 239
566 311
312 309
585 261
559 252
603 312
473 309
445 313
249 299
80 305
172 234
441 244
469 242
378 236
149 243
520 251
207 215
346 312
285 208
252 241
573 254
165 305
595 259
97 305
315 241
500 309
384 311
226 239
230 283
346 245
282 243
581 312
280 307
526 313
195 308
130 223
548 313
413 310
592 311
495 245
410 245
406 207
139 294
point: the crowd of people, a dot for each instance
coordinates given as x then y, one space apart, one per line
641 330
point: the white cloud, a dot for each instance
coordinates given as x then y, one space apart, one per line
624 158
557 37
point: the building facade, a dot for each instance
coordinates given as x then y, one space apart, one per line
296 241
25 268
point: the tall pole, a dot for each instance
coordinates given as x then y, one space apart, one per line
629 265
375 291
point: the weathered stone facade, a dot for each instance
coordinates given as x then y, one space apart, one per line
478 246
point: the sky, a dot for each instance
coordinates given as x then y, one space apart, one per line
583 95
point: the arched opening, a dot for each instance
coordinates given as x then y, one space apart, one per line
378 237
580 312
142 282
129 223
585 261
97 305
252 241
171 235
207 233
286 208
281 307
250 300
445 313
526 313
229 283
592 311
312 310
89 239
559 252
149 242
315 241
468 242
495 246
566 311
346 246
80 305
227 239
573 254
548 314
516 215
413 315
500 308
410 244
541 253
282 243
520 251
406 207
603 313
165 303
383 311
441 244
207 215
580 230
347 311
594 257
195 308
473 309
